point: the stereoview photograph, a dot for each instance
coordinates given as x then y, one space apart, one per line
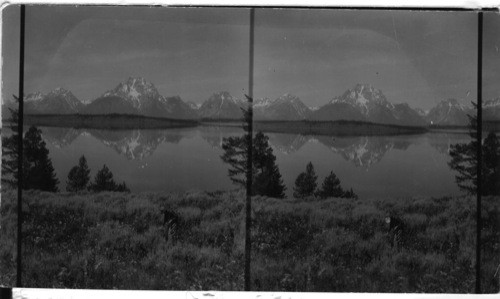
232 149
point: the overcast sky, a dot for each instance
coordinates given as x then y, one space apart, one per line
414 57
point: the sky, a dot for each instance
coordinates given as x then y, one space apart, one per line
415 57
491 56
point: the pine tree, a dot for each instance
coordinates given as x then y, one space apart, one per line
464 161
10 151
38 172
103 181
331 187
269 183
305 184
78 176
491 165
349 194
122 188
266 178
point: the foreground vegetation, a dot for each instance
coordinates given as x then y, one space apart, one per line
118 240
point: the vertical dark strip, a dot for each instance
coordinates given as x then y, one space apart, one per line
20 154
5 293
248 220
479 147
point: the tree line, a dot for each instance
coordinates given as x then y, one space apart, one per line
265 174
38 172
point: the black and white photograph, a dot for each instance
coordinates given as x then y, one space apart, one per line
250 149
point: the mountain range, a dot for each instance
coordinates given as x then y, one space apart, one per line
363 102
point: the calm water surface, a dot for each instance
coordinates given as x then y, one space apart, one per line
189 159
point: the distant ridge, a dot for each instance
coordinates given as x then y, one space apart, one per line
363 102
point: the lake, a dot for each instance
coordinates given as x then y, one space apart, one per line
189 159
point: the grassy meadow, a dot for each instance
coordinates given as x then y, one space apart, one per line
116 240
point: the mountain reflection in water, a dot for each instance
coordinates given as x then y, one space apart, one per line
182 159
363 151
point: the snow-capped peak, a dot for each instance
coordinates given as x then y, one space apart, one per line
453 103
491 103
134 90
34 97
263 102
361 96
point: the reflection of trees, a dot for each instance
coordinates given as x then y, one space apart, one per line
442 142
288 143
60 137
213 135
362 151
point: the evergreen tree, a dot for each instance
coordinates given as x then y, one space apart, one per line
331 187
464 161
491 165
305 184
78 177
266 178
10 150
349 194
269 183
103 181
38 172
122 188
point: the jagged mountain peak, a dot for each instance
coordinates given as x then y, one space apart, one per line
361 95
453 103
365 89
491 103
288 97
262 102
225 96
449 112
34 96
60 91
135 90
286 107
221 105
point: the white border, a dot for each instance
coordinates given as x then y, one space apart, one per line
470 4
78 293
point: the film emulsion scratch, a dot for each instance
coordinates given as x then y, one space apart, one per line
303 150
